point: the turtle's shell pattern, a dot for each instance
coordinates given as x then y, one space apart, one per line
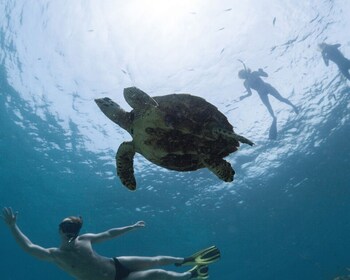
178 134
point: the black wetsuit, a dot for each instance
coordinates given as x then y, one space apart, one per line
263 89
255 82
121 272
331 52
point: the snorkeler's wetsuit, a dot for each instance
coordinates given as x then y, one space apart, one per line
331 52
255 82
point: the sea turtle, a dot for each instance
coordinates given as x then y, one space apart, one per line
177 131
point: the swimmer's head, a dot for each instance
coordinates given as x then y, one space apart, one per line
243 74
71 226
322 46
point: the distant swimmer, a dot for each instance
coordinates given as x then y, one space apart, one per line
332 53
252 80
77 257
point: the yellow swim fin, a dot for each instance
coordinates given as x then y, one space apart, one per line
200 272
202 257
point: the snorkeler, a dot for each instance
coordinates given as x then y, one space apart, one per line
331 52
253 81
76 256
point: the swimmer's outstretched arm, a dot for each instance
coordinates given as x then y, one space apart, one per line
262 73
111 233
248 90
325 58
23 241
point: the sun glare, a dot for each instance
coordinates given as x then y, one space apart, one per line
162 9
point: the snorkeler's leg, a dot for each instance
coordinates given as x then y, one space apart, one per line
142 263
158 274
279 97
265 99
347 75
345 70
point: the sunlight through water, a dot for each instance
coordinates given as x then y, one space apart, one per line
285 215
62 55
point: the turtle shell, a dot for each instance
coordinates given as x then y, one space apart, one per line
178 133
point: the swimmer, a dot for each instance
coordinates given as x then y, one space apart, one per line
76 256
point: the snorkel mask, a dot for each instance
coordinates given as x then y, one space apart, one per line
321 46
70 227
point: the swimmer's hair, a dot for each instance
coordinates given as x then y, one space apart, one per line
74 219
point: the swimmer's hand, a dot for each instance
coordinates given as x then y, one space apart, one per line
8 216
139 224
243 97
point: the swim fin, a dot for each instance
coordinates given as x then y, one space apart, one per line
273 130
200 272
203 257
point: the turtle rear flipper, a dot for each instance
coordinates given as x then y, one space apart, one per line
125 165
233 135
243 139
220 168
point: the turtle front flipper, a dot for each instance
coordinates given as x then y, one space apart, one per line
220 168
138 99
125 165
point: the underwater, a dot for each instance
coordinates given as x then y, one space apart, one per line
277 73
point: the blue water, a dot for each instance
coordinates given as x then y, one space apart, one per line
286 215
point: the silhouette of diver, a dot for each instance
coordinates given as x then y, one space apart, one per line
331 52
253 81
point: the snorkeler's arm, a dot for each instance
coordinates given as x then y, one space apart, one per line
325 58
23 241
248 90
111 233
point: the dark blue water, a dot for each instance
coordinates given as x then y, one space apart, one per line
286 215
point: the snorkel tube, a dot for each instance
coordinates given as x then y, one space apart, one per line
245 67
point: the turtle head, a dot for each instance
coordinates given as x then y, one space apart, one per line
114 112
138 99
107 106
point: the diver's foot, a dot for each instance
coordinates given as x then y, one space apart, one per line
199 272
295 109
